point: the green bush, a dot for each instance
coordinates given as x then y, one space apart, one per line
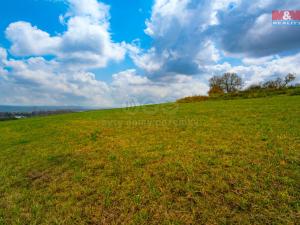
295 92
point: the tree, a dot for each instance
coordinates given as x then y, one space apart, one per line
215 91
215 81
232 82
272 84
229 82
279 82
289 78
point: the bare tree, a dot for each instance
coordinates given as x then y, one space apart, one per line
215 81
289 78
273 84
229 82
279 82
232 82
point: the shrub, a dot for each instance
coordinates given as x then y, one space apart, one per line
193 99
295 92
254 87
215 91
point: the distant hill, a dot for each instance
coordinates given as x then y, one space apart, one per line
29 109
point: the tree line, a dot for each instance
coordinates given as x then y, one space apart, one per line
231 82
20 115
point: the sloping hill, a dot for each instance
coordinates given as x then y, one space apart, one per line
214 162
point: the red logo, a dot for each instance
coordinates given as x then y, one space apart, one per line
286 15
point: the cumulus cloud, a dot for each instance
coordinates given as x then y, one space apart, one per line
93 9
180 37
3 60
247 29
147 60
259 70
65 79
86 43
3 56
37 81
191 34
28 40
183 40
128 85
192 41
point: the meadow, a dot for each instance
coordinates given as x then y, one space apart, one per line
211 162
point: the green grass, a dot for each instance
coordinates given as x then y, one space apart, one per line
213 162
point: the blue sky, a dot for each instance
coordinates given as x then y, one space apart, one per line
110 52
32 11
127 16
127 22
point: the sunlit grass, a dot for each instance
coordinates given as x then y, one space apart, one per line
214 162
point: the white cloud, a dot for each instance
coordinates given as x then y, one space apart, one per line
3 56
190 34
164 12
248 29
128 77
146 60
85 44
88 44
224 5
37 81
29 40
128 86
190 39
256 71
258 61
181 39
2 71
208 54
3 61
93 9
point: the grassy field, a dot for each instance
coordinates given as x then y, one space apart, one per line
213 162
